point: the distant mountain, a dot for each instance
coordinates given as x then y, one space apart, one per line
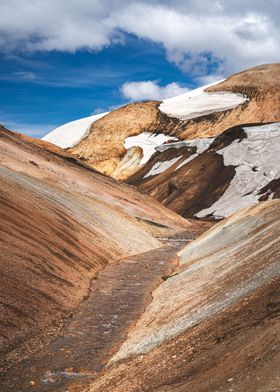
103 141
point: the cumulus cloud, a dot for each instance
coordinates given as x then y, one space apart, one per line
139 91
196 35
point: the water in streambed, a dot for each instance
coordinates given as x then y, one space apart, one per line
97 328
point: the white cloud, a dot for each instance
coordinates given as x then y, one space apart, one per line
209 79
234 34
137 91
25 75
98 111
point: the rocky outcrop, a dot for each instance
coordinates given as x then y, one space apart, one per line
128 164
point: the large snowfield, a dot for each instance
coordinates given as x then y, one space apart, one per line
70 134
197 103
159 167
257 162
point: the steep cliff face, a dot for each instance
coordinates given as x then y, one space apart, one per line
251 96
213 324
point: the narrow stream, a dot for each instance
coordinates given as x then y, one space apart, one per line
97 328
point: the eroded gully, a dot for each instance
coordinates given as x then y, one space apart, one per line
117 298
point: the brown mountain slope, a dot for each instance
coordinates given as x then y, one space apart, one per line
104 147
214 324
260 84
60 223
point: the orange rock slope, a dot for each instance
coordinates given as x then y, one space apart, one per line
156 318
60 223
260 84
104 147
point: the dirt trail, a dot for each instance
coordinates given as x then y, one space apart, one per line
117 298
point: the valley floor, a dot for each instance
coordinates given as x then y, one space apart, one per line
118 296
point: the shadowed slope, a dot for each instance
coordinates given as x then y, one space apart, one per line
239 168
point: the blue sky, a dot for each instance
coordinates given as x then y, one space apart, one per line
47 89
62 60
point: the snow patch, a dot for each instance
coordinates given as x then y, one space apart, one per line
148 142
200 144
257 162
185 161
160 167
197 103
70 134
